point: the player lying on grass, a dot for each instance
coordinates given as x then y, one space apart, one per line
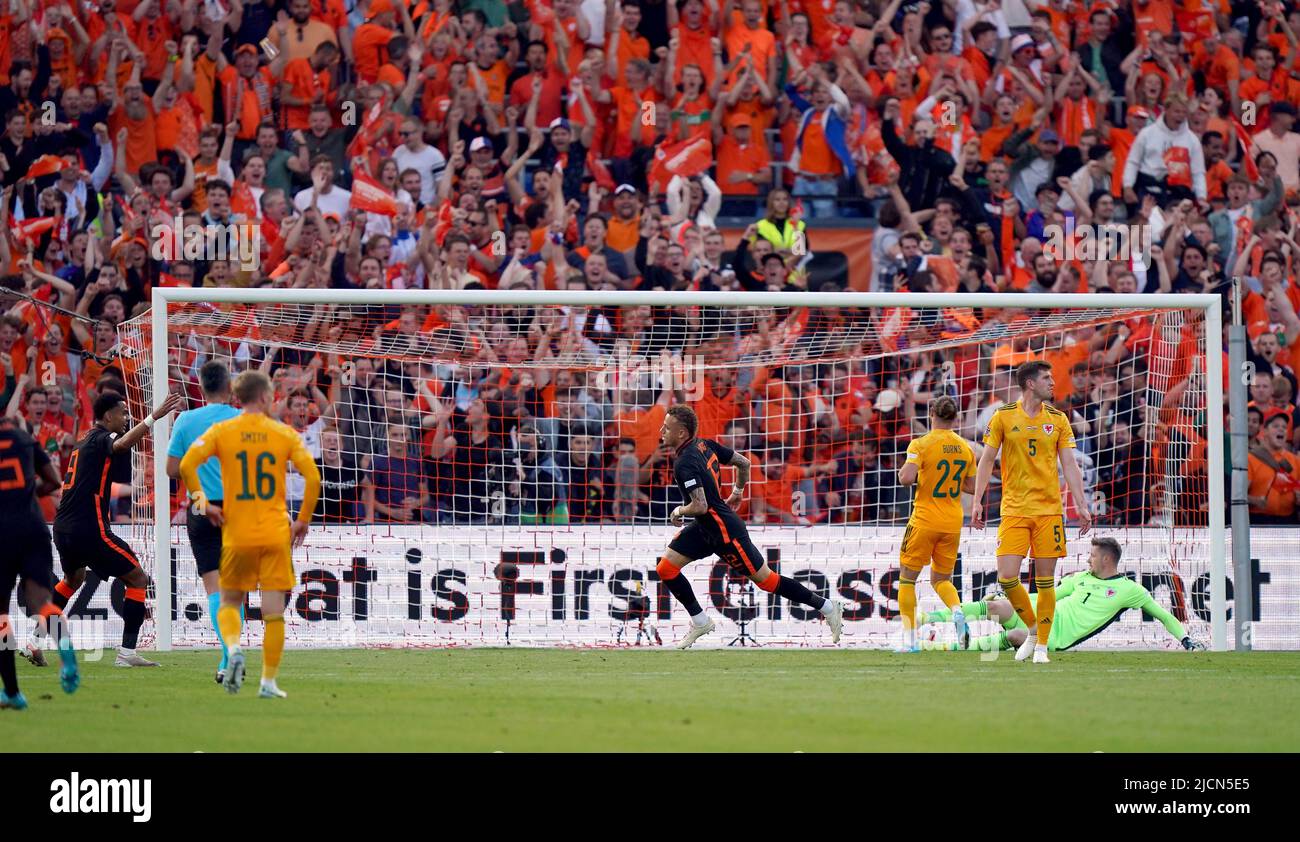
81 526
1087 604
716 528
254 451
939 464
25 473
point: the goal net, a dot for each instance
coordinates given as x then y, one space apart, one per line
492 472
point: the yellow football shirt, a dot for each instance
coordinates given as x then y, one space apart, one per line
944 460
254 451
1031 478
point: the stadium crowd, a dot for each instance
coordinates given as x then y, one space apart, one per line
599 145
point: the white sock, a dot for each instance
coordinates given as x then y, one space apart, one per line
827 608
700 620
122 650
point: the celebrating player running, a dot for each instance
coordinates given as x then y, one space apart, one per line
254 451
1032 436
716 528
81 533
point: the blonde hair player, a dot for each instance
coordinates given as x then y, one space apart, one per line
941 466
1032 436
256 536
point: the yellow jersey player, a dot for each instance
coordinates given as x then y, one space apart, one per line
254 451
1032 436
941 465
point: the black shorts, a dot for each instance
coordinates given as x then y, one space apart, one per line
205 541
105 553
26 556
728 541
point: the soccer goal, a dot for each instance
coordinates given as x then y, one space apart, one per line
492 474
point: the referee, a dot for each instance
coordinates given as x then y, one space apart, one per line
205 539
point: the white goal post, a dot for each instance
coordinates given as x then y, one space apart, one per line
1207 304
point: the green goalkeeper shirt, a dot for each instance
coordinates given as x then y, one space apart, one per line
1086 605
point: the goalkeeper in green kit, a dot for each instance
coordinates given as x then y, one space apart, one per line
1086 604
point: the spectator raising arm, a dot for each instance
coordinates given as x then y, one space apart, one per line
187 185
124 178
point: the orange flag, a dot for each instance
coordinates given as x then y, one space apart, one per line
442 223
370 195
685 158
1249 167
893 323
31 229
369 132
242 201
599 171
46 165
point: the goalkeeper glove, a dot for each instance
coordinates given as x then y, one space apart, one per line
1190 644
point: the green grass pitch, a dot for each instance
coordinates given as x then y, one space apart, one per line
619 700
